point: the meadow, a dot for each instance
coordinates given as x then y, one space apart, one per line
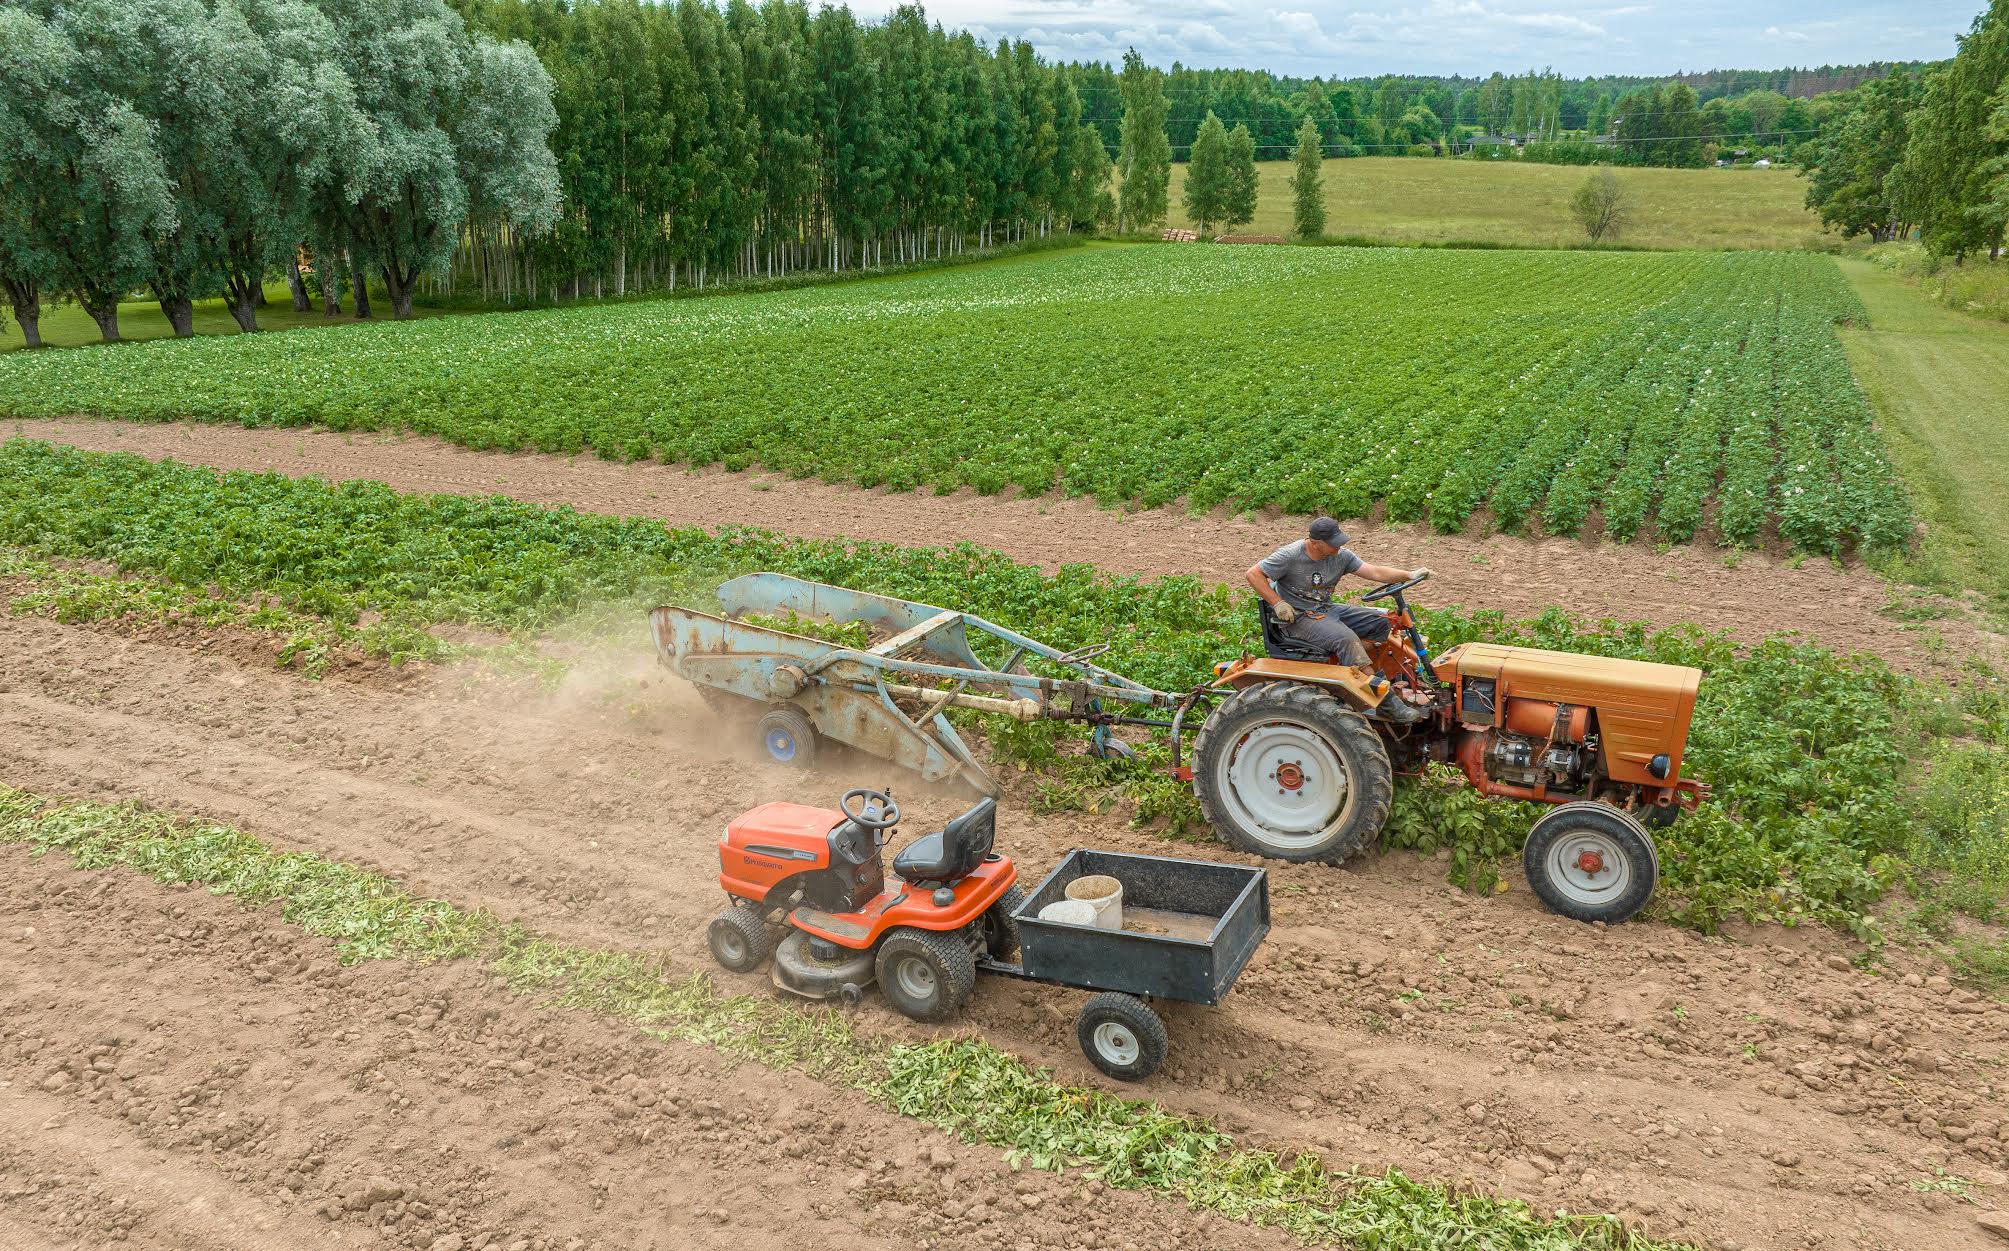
1393 199
1553 390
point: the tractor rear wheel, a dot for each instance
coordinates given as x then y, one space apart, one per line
1286 770
1590 861
1000 927
926 975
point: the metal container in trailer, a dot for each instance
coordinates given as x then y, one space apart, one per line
1190 927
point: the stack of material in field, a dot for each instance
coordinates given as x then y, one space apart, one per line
1181 236
1248 239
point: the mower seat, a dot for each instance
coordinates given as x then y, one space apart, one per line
1280 646
955 852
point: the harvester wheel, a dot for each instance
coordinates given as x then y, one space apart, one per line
1000 930
788 737
1121 1035
739 939
1286 770
926 975
1590 861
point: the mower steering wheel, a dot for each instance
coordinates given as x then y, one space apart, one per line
1080 654
889 812
1387 589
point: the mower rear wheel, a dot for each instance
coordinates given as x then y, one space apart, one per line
1000 929
1590 861
1122 1036
1286 770
926 975
788 737
739 939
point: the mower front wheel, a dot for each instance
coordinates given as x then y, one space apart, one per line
739 939
1590 861
926 975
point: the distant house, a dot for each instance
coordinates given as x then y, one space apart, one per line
1740 154
1489 141
1762 163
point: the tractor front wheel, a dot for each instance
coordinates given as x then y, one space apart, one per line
926 975
1286 770
1590 861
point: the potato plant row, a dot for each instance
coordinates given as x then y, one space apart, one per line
1662 393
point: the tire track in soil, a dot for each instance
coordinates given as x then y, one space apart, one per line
206 1076
1758 1092
1762 595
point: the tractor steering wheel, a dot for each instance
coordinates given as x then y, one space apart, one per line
888 812
1387 589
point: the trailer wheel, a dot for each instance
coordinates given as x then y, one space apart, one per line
1000 929
1122 1036
1590 861
739 939
788 737
925 975
1286 770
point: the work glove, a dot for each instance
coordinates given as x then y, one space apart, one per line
1284 612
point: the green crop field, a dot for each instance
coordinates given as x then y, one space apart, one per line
1540 386
1411 200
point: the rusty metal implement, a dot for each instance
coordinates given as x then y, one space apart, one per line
887 699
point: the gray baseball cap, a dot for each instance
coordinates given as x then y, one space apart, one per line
1327 531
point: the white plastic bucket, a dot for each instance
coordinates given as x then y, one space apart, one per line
1069 912
1105 894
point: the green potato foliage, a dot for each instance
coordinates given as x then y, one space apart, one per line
1541 387
1814 816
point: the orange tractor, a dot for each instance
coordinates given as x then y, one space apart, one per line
1292 759
1295 764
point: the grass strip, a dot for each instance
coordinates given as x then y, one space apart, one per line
965 1086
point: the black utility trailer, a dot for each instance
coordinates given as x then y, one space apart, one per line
1189 929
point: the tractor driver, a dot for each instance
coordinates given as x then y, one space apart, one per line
1297 581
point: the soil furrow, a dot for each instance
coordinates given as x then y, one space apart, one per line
1753 597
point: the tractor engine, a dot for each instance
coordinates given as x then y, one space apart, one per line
1536 745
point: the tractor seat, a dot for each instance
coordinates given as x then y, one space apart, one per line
955 852
1280 646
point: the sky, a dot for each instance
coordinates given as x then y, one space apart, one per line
1354 38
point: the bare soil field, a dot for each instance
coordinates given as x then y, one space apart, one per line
194 1066
1759 595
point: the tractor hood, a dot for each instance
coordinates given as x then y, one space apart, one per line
1643 708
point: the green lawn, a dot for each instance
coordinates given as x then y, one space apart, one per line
68 325
1414 200
1940 383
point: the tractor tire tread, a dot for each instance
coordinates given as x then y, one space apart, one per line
1373 776
751 927
1144 1024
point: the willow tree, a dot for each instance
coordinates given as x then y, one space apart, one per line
454 128
1950 148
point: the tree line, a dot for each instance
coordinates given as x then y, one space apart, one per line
191 149
1925 152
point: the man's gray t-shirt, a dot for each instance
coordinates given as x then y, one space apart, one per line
1306 584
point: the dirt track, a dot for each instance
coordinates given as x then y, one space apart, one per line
1762 595
1755 1093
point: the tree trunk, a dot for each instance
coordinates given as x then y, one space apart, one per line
299 289
26 298
105 312
621 267
400 292
180 313
245 309
359 288
331 289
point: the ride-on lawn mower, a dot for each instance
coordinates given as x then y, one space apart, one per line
1293 760
1177 929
